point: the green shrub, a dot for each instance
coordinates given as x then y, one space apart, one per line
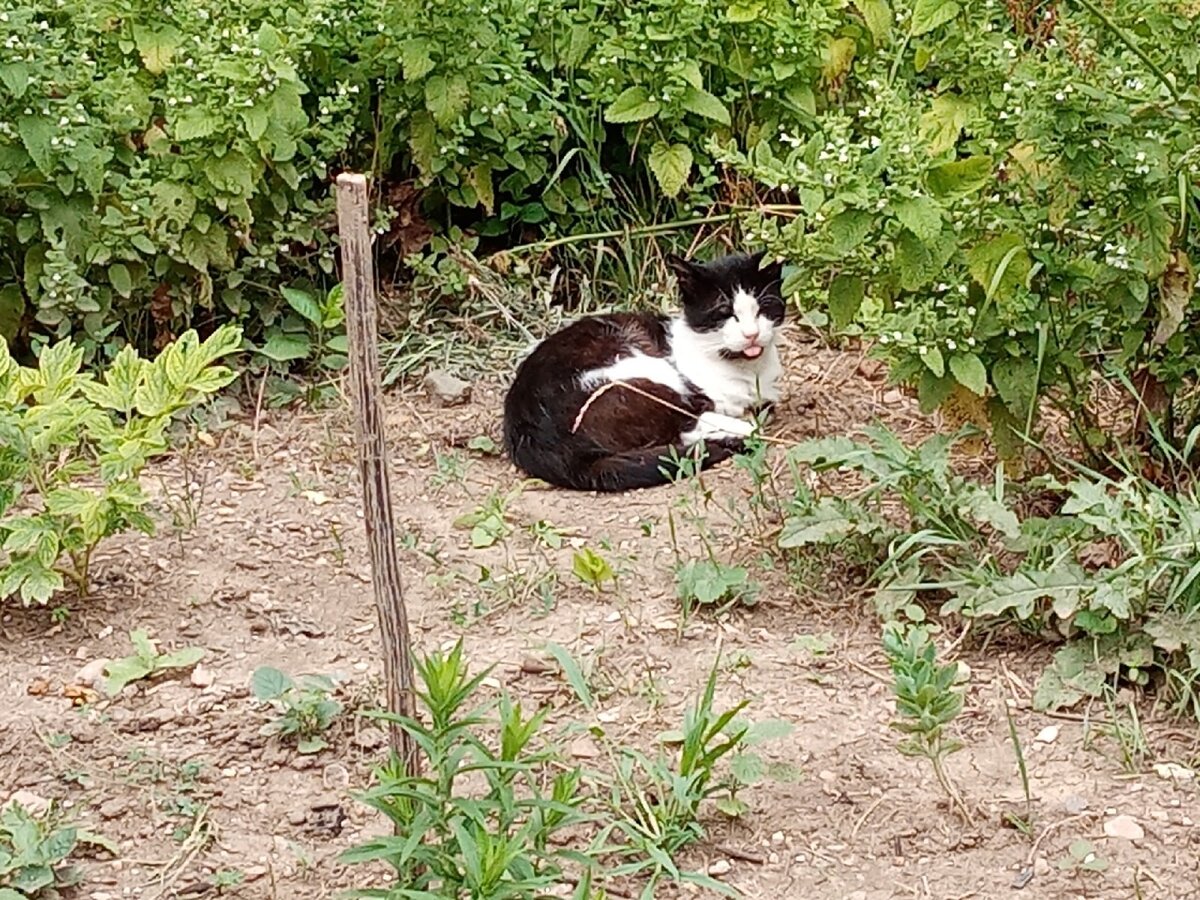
1003 196
158 164
72 446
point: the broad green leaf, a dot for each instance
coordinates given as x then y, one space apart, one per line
1015 380
304 303
283 347
447 98
122 672
632 105
743 11
671 165
933 391
12 311
878 16
1155 228
920 215
969 370
194 123
156 47
690 70
180 659
943 122
920 262
845 298
847 230
481 180
1000 266
120 279
702 103
838 58
961 177
930 14
415 61
267 683
36 132
15 77
40 584
142 645
932 358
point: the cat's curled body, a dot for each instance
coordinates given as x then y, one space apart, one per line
704 371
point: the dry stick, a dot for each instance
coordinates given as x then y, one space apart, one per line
358 278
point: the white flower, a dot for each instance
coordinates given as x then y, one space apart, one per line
951 345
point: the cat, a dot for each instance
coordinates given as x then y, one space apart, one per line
709 366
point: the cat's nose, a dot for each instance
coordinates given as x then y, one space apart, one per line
750 334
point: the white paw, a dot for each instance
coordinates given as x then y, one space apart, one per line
718 427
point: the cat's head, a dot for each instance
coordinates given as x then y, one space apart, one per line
734 300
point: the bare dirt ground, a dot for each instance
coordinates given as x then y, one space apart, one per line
273 571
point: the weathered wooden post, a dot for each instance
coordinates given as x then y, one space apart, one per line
358 285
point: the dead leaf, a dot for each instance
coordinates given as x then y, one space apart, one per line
1175 290
80 695
39 687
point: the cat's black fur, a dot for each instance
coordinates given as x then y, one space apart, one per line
625 439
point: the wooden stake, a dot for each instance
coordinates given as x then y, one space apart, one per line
358 281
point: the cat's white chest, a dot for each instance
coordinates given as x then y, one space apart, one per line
734 386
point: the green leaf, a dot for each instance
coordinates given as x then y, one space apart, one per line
930 14
731 806
845 298
36 132
155 47
920 215
671 165
920 263
415 61
447 98
12 311
702 103
969 370
15 77
632 105
119 278
932 358
142 645
304 303
283 347
573 674
122 672
180 659
1001 266
742 12
267 683
961 177
194 123
943 122
878 17
847 230
1015 380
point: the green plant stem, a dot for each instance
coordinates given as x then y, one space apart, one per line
943 777
1129 42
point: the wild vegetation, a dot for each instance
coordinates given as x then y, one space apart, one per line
998 201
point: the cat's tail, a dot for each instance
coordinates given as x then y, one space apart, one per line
592 468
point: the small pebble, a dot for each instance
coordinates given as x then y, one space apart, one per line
1047 735
720 867
1125 827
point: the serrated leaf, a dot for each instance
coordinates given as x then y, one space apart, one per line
671 165
632 105
481 180
920 215
944 121
845 299
415 61
1000 266
1015 380
748 768
36 132
195 123
267 683
930 14
969 371
847 230
702 103
155 47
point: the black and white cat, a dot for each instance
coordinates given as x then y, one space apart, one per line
709 367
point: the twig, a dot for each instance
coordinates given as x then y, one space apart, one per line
878 676
1049 828
863 818
743 855
258 403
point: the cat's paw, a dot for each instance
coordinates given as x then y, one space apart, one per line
716 426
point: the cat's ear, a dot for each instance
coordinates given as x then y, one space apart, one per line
686 273
771 273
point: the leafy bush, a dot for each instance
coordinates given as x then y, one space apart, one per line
1004 197
304 711
157 164
72 446
34 852
1111 570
